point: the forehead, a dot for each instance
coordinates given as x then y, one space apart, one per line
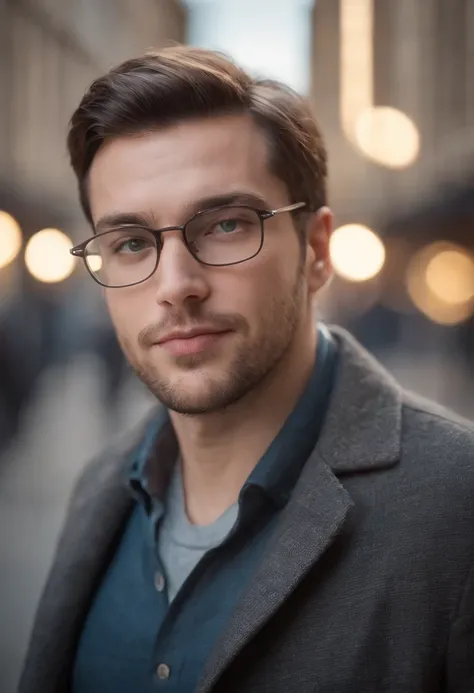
162 171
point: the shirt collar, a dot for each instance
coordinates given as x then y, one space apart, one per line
152 464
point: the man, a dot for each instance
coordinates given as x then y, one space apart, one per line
290 520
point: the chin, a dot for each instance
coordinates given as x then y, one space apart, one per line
192 405
194 394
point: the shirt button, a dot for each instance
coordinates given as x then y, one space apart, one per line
159 582
163 671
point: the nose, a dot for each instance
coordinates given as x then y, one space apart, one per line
180 279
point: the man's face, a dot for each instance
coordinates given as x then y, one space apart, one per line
257 306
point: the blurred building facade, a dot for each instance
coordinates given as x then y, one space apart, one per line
50 51
423 64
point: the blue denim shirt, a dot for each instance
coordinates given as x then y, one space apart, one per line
133 640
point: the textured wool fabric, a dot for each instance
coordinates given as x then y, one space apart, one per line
367 584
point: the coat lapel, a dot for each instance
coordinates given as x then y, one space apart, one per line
308 526
361 433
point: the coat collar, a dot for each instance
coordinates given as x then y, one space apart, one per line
363 425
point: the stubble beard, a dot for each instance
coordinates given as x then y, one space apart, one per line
254 362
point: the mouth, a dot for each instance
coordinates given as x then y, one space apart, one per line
194 342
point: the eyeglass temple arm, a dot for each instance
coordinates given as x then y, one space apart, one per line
288 208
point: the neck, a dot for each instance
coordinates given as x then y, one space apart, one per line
220 450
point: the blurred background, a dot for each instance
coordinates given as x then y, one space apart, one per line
392 85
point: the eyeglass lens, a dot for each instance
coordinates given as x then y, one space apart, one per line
127 256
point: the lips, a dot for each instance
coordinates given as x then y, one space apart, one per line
192 342
189 334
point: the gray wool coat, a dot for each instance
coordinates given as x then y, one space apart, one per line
366 587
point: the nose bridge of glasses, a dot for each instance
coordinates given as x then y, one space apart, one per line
181 231
157 233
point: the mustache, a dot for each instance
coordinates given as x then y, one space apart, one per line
152 334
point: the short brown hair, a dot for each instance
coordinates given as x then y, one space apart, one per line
181 82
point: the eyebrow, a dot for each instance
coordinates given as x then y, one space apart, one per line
231 198
117 219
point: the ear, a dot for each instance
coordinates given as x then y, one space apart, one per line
318 259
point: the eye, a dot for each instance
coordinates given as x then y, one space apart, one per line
234 222
228 225
132 245
129 243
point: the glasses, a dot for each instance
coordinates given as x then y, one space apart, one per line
217 237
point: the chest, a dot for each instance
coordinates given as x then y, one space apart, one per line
134 638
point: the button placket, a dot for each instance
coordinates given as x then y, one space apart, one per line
159 581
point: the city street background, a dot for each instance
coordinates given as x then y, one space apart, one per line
392 87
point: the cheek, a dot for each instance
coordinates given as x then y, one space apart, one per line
277 271
258 286
126 313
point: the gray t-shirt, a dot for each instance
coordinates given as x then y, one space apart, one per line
181 544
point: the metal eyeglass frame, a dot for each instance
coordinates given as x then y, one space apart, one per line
263 215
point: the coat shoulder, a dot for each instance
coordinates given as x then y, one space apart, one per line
436 427
439 445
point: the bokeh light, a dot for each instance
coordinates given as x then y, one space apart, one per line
450 275
47 256
387 136
94 262
357 253
10 239
440 281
